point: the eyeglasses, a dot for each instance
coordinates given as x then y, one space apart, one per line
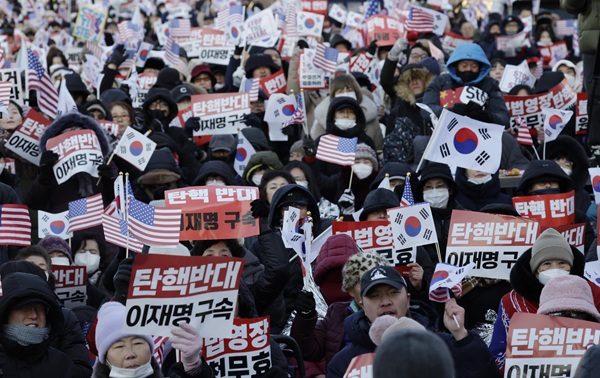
37 308
419 56
120 116
159 104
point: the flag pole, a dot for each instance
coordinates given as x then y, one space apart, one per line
351 174
304 123
439 253
544 151
125 214
536 153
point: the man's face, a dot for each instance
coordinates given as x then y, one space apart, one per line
467 65
511 28
385 300
31 315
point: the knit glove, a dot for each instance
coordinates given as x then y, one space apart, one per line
260 209
108 171
372 49
237 76
188 341
398 49
121 280
47 161
118 56
302 44
310 147
346 202
305 304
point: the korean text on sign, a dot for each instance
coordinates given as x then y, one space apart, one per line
78 151
220 113
70 284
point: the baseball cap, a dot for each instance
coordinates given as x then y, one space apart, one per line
381 275
180 92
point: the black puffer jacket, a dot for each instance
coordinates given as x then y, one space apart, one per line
475 196
38 360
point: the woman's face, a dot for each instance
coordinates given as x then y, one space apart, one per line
120 116
272 186
14 118
218 250
497 71
90 246
298 174
129 352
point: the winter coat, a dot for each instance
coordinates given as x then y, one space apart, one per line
176 371
525 298
39 360
495 105
72 343
55 198
587 24
589 366
473 197
472 358
371 126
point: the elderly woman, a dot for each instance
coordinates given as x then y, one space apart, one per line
130 355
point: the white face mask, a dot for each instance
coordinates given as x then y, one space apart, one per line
545 276
89 260
256 179
362 170
480 180
345 123
567 171
303 184
140 372
219 86
545 41
61 261
347 94
570 80
216 183
437 198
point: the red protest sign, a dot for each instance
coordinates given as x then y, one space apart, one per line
26 139
246 353
214 212
70 284
315 6
383 29
551 210
275 83
360 63
361 366
575 235
452 40
581 114
167 290
220 113
110 127
547 343
78 151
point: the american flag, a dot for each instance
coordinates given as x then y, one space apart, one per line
116 230
15 225
337 150
221 20
291 27
95 49
129 31
5 87
298 116
2 60
162 347
179 28
39 80
326 58
419 21
565 27
523 135
157 227
85 213
372 9
236 14
172 52
250 86
407 194
280 19
446 277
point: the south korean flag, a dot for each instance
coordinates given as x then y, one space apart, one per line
412 226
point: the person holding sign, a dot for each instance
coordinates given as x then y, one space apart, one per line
551 256
130 355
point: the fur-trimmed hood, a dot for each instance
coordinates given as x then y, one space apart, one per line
403 85
70 120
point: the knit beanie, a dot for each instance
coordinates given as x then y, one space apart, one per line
550 245
363 151
379 199
386 325
568 293
297 147
53 243
111 319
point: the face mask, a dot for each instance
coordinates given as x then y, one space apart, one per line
140 372
545 191
61 261
546 41
570 80
511 32
345 123
545 276
303 184
480 180
362 170
215 183
159 115
567 171
467 76
89 260
219 86
347 94
256 179
437 198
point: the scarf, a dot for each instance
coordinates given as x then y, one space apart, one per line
24 335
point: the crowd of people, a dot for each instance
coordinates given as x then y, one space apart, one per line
370 306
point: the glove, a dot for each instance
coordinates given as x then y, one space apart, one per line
303 44
188 341
372 49
310 148
346 202
47 161
482 116
118 56
122 278
191 124
238 75
305 304
460 109
259 208
474 107
108 172
238 50
252 120
398 49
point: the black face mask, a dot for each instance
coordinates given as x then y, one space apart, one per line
467 76
545 191
159 115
